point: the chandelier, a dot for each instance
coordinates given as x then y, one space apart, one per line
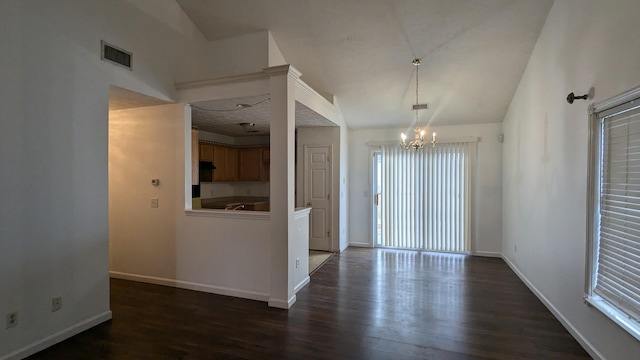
418 141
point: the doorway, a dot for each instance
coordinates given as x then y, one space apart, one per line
317 195
421 198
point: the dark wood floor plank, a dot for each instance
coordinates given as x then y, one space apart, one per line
362 304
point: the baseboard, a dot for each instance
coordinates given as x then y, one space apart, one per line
282 304
343 248
301 284
360 244
58 337
487 254
219 290
572 330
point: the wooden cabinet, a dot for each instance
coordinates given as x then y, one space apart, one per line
234 164
195 158
206 152
225 160
250 164
231 164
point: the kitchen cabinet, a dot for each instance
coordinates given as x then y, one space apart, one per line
266 155
225 160
250 164
195 158
231 164
206 152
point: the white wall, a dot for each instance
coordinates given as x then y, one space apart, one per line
583 44
224 253
488 201
53 152
314 136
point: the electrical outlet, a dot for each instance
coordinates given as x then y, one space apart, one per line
297 262
12 319
56 304
154 202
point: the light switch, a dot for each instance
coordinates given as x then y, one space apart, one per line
154 202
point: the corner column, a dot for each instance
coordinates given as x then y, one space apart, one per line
282 85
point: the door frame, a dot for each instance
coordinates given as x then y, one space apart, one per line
305 170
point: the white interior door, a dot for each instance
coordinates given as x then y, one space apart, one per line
317 195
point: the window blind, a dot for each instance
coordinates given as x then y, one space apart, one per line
618 259
425 195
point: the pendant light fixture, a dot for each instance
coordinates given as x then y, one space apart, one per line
418 141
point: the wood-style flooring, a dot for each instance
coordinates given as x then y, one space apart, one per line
362 304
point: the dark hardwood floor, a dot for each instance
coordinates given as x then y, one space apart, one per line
362 304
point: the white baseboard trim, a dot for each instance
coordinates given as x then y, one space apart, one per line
343 248
360 244
572 330
301 284
282 304
487 254
58 337
251 295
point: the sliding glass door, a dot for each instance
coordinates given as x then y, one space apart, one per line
421 198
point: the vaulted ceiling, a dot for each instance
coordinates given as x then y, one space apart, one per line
474 52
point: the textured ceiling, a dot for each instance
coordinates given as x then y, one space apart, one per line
224 116
361 51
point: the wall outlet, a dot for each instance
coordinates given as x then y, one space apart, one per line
154 202
12 319
56 304
297 262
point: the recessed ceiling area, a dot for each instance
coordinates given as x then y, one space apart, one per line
225 116
120 99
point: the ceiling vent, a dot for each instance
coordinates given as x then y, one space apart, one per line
115 55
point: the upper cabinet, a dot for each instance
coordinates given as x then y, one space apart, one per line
234 163
206 152
250 164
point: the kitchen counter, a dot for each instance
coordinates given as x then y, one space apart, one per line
251 203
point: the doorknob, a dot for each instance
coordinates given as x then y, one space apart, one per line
309 204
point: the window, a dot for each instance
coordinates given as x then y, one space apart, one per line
613 260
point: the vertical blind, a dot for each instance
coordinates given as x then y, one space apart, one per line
424 201
618 260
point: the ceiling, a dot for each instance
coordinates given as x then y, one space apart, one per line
225 116
474 52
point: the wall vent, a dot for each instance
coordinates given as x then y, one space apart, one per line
115 55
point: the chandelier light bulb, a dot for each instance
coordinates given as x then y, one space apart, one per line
403 136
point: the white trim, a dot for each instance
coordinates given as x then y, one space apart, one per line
572 330
222 80
251 295
616 100
282 304
360 244
230 214
301 284
614 314
301 212
343 248
58 337
461 139
487 254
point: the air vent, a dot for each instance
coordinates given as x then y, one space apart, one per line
115 55
420 107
